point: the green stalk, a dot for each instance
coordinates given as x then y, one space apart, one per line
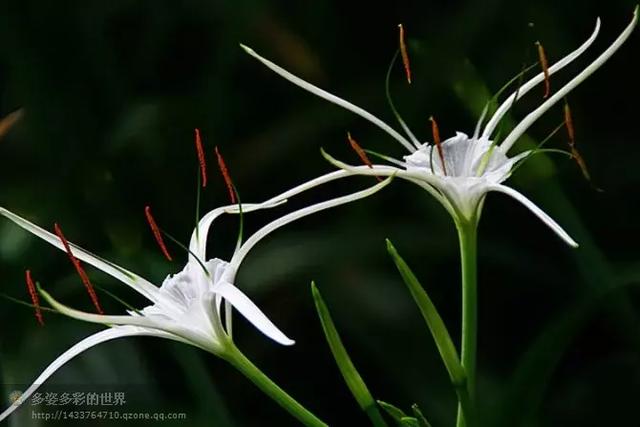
271 389
467 234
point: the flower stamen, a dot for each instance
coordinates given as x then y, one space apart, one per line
436 139
34 297
360 152
8 121
201 157
156 232
76 264
542 56
225 174
404 53
568 123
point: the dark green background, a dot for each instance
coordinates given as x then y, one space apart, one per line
112 91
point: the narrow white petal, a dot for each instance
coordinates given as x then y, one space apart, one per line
522 90
331 98
426 181
136 282
72 352
536 211
248 309
96 318
323 179
383 170
258 235
161 326
522 127
198 243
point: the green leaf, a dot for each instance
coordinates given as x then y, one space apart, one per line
347 369
410 422
422 420
437 327
394 412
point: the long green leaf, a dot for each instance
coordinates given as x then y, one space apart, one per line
437 327
347 369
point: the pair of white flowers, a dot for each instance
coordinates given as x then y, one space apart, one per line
187 307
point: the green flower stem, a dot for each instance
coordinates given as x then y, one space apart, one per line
264 383
467 234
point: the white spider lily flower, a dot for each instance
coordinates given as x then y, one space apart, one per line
468 167
187 306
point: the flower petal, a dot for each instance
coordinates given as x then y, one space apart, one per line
162 326
96 318
522 90
286 219
85 344
198 242
428 182
524 124
331 98
253 314
136 282
536 211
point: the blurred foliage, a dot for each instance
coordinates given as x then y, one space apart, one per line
111 92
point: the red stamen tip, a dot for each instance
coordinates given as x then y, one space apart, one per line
360 152
404 53
201 157
542 56
34 297
156 232
568 123
436 139
76 264
225 174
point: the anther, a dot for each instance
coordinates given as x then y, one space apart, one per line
201 157
568 123
76 264
360 152
436 139
404 53
156 232
34 297
225 174
8 121
542 57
